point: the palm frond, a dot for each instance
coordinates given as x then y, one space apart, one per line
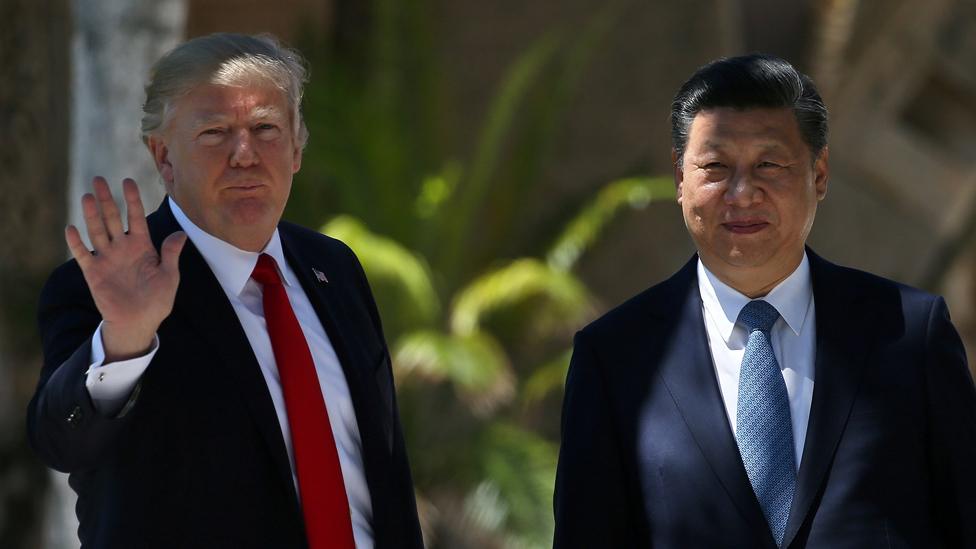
582 231
436 190
515 497
546 378
386 259
540 126
566 299
498 122
501 116
475 363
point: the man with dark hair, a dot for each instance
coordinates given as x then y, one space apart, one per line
214 376
763 396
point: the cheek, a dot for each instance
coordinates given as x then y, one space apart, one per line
703 200
697 220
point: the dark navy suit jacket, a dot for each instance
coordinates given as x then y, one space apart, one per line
648 457
198 459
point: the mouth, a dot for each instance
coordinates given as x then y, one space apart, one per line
747 226
244 187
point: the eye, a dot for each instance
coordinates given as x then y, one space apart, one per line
768 164
714 167
266 131
212 132
265 126
713 170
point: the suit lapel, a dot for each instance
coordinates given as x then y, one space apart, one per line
325 284
200 301
689 374
843 339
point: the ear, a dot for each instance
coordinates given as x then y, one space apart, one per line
296 160
821 173
679 174
160 153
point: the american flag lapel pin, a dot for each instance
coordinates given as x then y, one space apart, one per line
319 275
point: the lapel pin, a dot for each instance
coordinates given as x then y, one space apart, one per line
320 275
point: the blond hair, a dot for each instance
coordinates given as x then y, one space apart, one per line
229 60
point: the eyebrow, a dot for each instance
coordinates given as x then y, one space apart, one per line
771 145
263 112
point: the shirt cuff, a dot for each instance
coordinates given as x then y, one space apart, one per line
110 385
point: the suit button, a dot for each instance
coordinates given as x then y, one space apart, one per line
75 417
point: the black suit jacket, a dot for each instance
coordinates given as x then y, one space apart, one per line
197 458
648 457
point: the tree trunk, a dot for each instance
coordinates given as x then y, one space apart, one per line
33 165
113 47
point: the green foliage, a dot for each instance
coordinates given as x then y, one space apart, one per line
566 298
546 378
501 116
515 468
475 363
413 290
471 333
582 232
519 464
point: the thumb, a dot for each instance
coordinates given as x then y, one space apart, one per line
170 252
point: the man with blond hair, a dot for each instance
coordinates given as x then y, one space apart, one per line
214 376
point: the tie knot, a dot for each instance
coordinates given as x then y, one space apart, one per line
759 315
265 271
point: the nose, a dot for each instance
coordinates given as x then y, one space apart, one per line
743 189
242 154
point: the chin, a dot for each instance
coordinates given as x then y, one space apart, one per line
748 258
252 211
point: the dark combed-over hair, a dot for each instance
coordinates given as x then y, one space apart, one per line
750 81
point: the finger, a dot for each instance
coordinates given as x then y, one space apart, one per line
110 210
94 224
136 214
170 252
78 249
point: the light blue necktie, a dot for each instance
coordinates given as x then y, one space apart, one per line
763 428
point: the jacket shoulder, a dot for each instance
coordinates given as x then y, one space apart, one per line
636 315
869 287
310 241
335 257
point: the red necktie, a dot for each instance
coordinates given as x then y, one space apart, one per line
323 493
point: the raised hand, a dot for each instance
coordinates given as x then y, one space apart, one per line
133 286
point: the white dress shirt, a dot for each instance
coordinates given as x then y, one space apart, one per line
793 337
111 384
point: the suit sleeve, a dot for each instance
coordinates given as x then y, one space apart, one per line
591 496
65 429
952 424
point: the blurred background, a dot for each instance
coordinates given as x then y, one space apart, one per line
502 169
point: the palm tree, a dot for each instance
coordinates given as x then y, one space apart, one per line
476 439
479 324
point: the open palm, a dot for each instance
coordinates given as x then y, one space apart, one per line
133 286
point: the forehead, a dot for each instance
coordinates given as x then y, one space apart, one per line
721 127
211 101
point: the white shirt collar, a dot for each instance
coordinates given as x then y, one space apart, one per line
231 265
791 298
